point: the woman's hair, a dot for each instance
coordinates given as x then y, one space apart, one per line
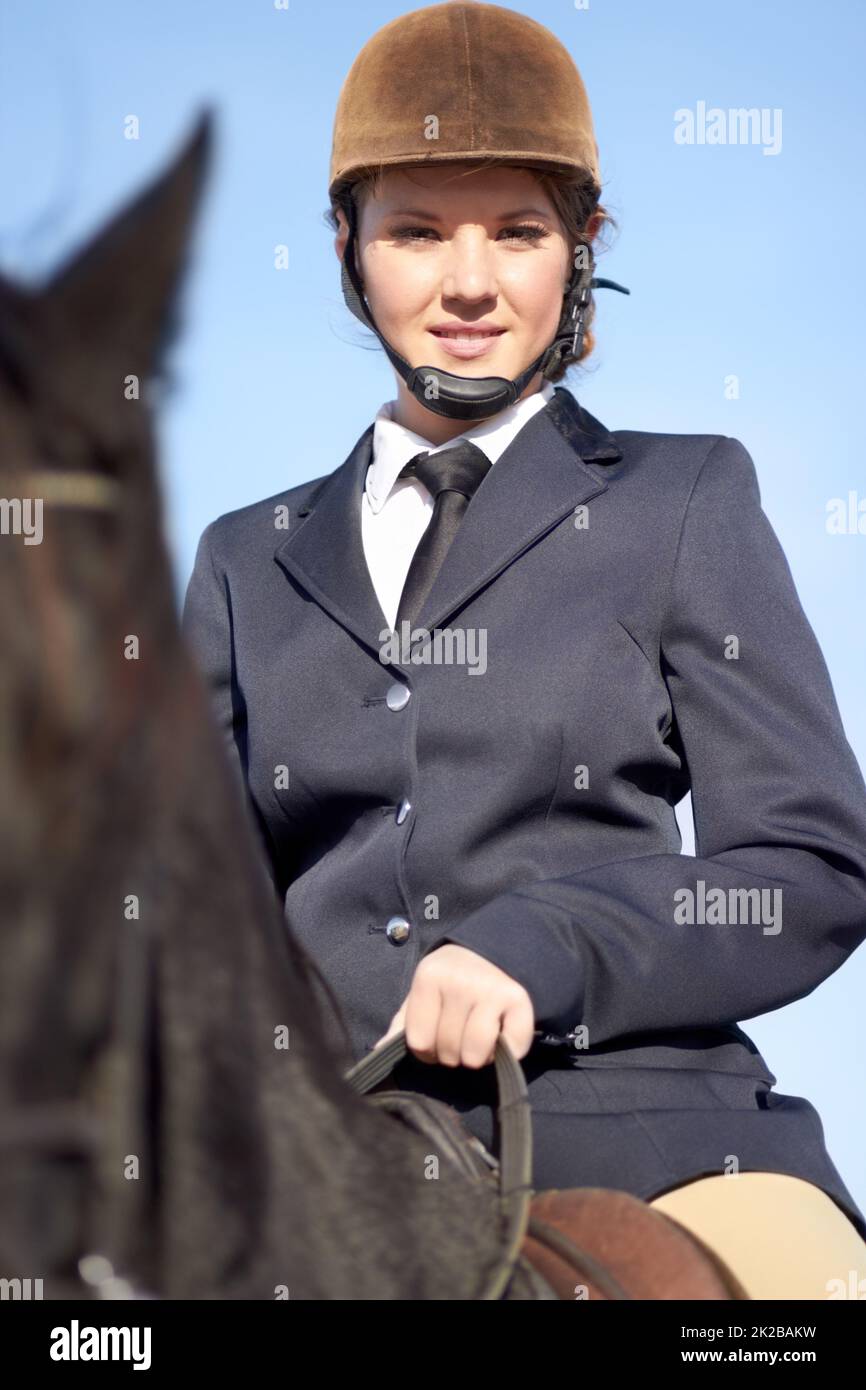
575 196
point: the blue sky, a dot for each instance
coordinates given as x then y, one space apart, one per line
740 263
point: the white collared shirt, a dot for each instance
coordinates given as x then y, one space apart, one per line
395 515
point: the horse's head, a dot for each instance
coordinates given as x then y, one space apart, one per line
84 580
94 683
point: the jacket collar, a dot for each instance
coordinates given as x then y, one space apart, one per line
394 445
541 476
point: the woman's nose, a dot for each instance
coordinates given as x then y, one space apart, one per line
469 271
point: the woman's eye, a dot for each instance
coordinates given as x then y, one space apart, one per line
525 231
411 233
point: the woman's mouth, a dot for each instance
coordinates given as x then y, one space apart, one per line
459 343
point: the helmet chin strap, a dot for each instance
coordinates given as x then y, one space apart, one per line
469 397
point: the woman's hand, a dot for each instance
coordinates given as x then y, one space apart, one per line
458 1005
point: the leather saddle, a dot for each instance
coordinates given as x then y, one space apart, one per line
581 1242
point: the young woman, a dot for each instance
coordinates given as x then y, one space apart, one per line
467 676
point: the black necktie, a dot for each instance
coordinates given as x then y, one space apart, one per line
452 476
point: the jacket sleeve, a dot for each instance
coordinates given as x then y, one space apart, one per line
206 623
778 799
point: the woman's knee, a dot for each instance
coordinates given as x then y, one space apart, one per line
780 1236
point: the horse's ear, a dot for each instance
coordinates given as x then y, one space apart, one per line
118 294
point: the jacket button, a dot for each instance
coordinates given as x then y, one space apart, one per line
397 695
397 930
403 810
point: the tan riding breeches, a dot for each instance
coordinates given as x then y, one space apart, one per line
780 1236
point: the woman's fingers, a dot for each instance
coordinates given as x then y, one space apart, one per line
424 1008
518 1025
396 1025
481 1030
443 1023
458 1005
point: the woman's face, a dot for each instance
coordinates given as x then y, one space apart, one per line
464 273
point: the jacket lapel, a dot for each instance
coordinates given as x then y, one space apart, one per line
539 479
324 551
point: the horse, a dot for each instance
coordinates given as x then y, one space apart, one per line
174 1122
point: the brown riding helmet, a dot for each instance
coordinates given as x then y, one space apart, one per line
461 81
